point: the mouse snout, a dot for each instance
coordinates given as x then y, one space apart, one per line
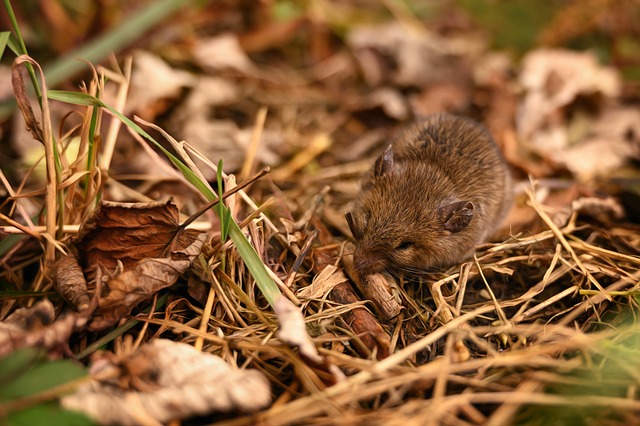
368 261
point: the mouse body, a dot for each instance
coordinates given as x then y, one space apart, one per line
441 188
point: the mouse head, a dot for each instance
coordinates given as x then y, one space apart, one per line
402 221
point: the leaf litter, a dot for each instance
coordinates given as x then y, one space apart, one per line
539 325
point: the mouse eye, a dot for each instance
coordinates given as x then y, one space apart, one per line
405 245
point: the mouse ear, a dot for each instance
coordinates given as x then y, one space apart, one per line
384 163
352 225
456 216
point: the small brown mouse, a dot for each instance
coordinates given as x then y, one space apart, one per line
440 189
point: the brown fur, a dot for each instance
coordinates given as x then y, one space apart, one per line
437 192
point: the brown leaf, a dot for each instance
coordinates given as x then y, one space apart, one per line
17 79
178 382
126 290
70 283
129 233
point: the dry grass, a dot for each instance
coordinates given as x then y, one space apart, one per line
539 328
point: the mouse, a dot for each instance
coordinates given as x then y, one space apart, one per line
439 189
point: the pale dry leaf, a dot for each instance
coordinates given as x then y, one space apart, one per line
492 68
602 208
70 283
35 317
322 283
153 79
595 157
390 100
179 382
127 289
223 52
553 79
418 56
294 333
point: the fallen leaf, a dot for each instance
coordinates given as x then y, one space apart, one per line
223 53
37 326
177 382
127 233
125 290
153 80
595 157
140 249
194 121
390 100
410 56
604 209
70 283
553 79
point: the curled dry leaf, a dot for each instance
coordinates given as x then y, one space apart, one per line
35 326
143 243
294 332
129 233
17 79
554 78
149 276
177 381
70 283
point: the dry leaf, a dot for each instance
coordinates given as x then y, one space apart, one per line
604 209
177 381
35 326
70 283
194 121
141 249
222 53
390 100
409 56
153 80
554 78
127 289
17 79
595 157
128 233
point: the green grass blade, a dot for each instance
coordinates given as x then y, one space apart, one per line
4 39
254 263
16 28
224 214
